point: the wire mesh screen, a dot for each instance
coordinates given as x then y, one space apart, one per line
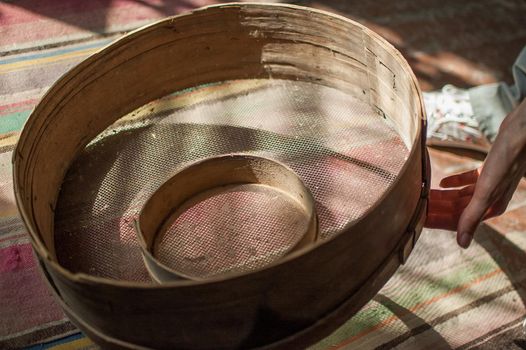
343 149
235 229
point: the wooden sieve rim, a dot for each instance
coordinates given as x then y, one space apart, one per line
25 146
215 44
156 215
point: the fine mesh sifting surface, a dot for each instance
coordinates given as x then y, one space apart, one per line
346 153
235 229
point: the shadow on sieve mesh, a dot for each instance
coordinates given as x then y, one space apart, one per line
109 182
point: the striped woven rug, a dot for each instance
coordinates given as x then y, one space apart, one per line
443 298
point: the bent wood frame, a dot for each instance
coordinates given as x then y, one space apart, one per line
292 302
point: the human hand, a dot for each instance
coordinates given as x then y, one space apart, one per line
485 192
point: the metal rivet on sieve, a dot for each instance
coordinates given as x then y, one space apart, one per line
217 173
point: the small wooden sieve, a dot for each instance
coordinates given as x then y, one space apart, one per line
212 175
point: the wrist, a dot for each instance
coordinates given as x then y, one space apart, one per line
513 130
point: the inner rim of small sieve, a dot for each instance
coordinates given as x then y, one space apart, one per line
225 214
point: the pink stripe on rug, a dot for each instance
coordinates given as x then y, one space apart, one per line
25 301
25 11
17 106
16 258
25 22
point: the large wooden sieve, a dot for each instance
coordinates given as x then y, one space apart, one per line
292 302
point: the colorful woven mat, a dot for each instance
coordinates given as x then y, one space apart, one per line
444 297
